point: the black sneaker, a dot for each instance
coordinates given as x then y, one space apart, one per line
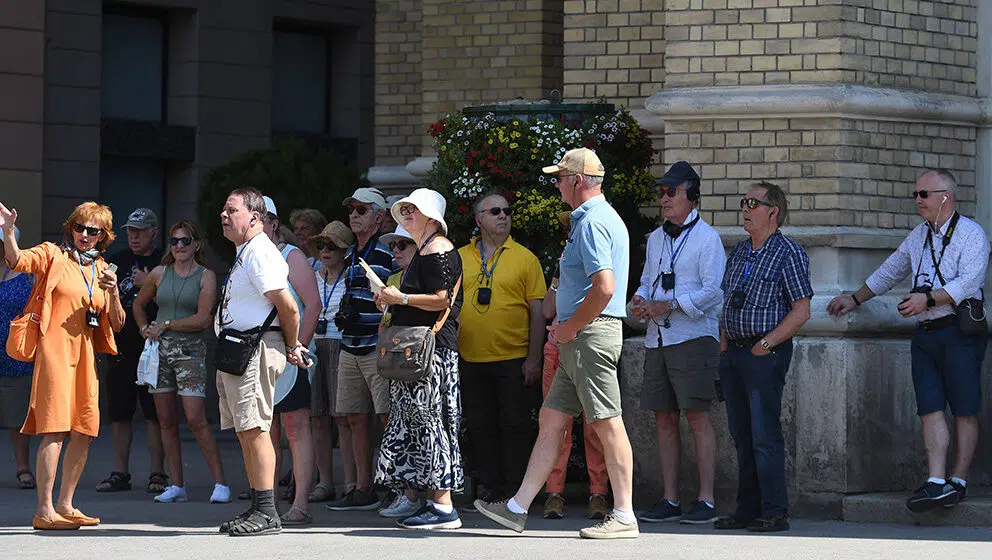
931 495
731 523
699 514
662 511
356 500
960 490
769 524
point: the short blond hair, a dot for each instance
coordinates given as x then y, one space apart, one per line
94 213
311 216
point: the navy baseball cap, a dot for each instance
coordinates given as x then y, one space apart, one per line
680 172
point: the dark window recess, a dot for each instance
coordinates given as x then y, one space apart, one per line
347 148
147 139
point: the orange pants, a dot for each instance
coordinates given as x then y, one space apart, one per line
595 462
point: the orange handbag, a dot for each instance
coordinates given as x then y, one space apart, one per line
22 341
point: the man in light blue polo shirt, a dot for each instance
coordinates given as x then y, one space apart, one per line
590 304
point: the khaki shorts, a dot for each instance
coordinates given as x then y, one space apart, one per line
681 376
182 365
15 398
360 387
324 385
246 401
586 380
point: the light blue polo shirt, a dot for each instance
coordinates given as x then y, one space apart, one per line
599 241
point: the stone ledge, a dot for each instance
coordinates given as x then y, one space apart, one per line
391 176
841 237
890 507
818 101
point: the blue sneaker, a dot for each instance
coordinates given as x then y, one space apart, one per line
662 511
429 519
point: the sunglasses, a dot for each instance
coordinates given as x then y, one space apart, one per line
91 231
400 245
925 194
407 209
497 211
670 191
753 203
186 241
362 210
321 245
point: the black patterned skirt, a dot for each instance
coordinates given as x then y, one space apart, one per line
420 449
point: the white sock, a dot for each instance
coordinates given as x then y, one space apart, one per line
676 504
959 481
625 517
513 506
709 504
936 480
443 508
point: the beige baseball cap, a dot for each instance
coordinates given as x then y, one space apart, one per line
579 160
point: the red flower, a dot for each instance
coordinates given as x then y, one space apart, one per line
499 149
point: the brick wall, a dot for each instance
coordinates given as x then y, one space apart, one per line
398 114
614 49
847 172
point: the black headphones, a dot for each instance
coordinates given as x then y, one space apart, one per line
692 191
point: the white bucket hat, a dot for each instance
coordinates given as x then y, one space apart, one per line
430 203
400 233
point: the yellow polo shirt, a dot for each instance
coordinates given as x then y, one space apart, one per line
501 330
394 281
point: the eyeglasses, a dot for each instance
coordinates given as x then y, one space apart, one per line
670 191
925 194
407 209
91 231
362 210
185 241
400 245
321 245
753 203
495 211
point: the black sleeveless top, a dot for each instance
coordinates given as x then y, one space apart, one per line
428 274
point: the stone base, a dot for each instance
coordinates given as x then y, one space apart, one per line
976 511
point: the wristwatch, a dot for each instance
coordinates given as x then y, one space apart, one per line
406 299
675 305
167 323
764 344
930 301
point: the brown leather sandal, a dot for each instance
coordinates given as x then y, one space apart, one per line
56 523
25 480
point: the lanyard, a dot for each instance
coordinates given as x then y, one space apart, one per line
750 264
945 241
676 252
409 266
91 282
368 249
227 282
489 273
327 296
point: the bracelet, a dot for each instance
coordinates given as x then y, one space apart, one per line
854 297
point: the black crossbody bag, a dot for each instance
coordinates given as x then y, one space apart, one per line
970 312
235 348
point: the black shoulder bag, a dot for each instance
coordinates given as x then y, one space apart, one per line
970 312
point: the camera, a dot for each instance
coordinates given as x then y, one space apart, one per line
346 317
737 299
321 326
92 318
485 295
668 281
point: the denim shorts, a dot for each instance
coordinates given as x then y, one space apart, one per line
947 370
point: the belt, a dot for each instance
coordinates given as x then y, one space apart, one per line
938 323
744 342
604 318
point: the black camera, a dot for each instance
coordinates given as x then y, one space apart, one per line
737 299
925 289
346 317
321 326
92 318
668 281
485 295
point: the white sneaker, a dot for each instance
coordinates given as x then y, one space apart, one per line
402 508
172 494
221 495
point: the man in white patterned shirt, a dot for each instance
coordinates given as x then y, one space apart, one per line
679 298
947 255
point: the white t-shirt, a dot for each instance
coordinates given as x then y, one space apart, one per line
330 296
259 268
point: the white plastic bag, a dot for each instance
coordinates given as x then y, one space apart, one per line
148 364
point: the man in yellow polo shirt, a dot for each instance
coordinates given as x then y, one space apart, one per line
500 348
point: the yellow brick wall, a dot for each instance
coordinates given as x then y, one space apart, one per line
398 112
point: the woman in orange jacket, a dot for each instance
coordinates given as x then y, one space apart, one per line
79 312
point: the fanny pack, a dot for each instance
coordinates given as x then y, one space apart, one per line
235 348
970 312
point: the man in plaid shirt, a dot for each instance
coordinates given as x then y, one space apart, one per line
766 299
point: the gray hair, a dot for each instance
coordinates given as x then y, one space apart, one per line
594 180
477 207
946 179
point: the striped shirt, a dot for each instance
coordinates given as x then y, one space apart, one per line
771 278
360 327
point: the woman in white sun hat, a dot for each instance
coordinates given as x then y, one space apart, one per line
419 450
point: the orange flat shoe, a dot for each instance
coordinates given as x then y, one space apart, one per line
56 523
81 518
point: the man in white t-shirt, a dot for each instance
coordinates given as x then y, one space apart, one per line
257 283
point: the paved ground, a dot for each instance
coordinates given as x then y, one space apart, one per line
135 527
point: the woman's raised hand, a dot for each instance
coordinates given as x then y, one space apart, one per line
7 218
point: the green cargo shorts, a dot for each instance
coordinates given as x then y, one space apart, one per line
586 379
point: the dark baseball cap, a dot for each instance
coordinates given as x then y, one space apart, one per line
141 218
680 172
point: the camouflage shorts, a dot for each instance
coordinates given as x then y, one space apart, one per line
182 365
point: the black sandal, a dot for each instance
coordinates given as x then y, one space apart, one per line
30 483
225 527
116 482
157 482
256 524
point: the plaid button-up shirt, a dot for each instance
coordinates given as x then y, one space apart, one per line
778 275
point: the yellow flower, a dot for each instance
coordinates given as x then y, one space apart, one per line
515 123
513 145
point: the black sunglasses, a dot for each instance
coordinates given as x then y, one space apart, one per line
753 203
400 245
362 210
925 194
91 231
321 245
672 192
496 211
407 209
186 241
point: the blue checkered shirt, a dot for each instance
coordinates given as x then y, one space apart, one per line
779 276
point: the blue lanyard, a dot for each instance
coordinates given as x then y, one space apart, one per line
409 266
749 265
482 253
91 282
351 269
327 296
676 252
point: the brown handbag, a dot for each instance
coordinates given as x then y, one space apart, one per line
407 353
22 341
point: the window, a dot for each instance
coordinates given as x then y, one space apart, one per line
133 67
299 82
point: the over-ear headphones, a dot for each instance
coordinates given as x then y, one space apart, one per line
692 191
